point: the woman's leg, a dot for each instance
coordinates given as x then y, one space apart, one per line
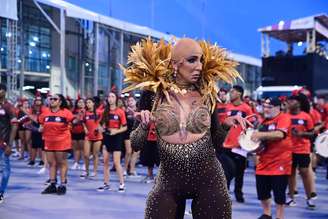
79 152
133 162
86 155
95 152
52 166
28 140
128 154
106 165
118 166
22 144
61 160
161 205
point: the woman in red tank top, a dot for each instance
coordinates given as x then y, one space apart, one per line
93 137
78 134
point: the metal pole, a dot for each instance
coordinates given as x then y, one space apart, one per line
267 49
22 57
95 78
262 45
308 42
62 52
313 40
121 60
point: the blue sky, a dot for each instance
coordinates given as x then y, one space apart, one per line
231 23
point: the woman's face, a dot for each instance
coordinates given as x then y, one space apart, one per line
111 98
293 104
80 104
90 104
54 101
25 104
38 101
189 69
131 102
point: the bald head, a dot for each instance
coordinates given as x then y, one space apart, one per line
185 48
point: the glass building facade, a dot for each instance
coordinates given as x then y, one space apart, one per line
88 72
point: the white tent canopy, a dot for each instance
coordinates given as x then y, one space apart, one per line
8 9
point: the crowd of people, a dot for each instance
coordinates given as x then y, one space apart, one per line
54 128
178 130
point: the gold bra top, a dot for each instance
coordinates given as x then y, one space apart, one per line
168 121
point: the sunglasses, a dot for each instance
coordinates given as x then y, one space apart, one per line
53 98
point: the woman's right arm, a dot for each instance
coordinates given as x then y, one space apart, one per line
140 129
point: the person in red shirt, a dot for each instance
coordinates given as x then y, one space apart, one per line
93 137
78 133
37 143
130 156
222 105
302 130
236 110
24 133
114 123
55 128
275 160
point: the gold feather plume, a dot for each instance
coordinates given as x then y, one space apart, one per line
149 68
216 66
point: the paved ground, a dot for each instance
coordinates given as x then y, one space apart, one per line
82 201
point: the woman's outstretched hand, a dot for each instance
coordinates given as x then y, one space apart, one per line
145 117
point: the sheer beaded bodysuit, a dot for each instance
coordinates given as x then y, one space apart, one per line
188 170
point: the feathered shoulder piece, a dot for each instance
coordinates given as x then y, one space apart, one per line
149 68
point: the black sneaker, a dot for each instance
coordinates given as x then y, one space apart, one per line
105 187
31 163
314 196
239 198
41 163
46 183
265 216
2 198
51 189
61 190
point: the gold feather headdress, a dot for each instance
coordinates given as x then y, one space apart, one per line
149 68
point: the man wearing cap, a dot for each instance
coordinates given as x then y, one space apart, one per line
8 128
275 159
236 110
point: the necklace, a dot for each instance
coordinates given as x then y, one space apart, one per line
185 88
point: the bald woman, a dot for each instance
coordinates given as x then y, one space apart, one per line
189 168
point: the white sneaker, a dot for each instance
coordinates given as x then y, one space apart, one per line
125 173
149 180
43 170
133 174
75 166
290 202
310 204
121 188
93 175
83 167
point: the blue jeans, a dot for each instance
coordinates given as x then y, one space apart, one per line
6 171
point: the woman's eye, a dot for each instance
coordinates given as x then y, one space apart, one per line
192 60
